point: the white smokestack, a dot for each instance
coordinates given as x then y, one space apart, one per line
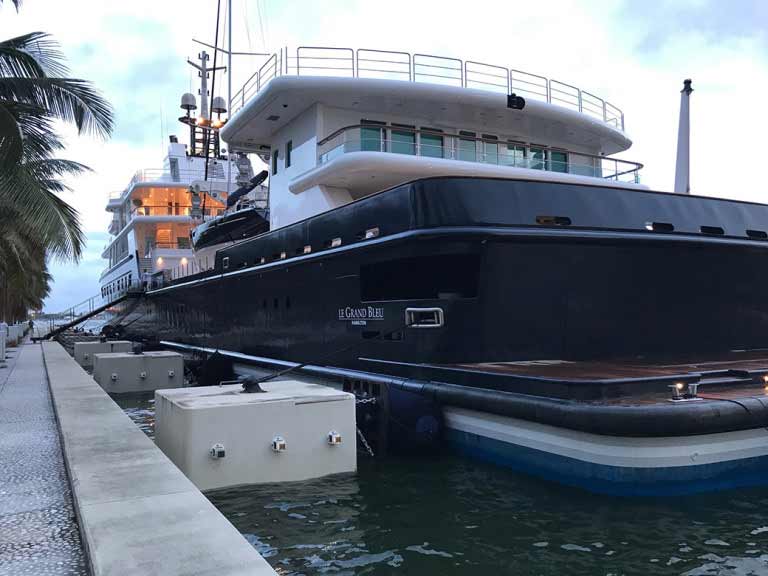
682 168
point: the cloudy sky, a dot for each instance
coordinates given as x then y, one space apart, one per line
633 53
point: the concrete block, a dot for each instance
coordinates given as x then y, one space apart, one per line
314 424
84 351
120 373
15 334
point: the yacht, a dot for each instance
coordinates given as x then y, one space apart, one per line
155 217
467 245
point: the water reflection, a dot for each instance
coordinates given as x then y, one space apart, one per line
449 516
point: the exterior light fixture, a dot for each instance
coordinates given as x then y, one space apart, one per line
677 390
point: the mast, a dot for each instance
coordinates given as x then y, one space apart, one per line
203 70
682 167
229 90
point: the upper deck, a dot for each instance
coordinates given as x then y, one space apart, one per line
337 124
426 68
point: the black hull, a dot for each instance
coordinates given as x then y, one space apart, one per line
521 270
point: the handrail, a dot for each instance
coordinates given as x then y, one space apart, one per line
341 61
622 167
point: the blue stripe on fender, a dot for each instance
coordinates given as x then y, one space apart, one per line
616 480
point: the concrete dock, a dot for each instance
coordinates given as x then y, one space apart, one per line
86 491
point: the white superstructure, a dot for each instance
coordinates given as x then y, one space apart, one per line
153 216
337 124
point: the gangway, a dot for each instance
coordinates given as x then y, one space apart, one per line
79 313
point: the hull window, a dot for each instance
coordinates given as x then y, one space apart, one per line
431 145
558 161
538 159
275 154
445 276
372 136
288 151
515 155
403 142
467 148
490 149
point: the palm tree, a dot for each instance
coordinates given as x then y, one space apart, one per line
35 223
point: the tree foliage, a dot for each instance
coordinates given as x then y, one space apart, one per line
35 222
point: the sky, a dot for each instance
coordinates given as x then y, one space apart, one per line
633 53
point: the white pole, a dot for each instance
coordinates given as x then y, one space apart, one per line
229 91
204 84
682 168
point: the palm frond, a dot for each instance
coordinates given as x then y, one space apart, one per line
11 139
34 54
70 100
33 195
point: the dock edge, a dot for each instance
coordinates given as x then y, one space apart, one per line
137 512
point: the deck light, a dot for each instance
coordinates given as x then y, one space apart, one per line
371 233
677 390
765 378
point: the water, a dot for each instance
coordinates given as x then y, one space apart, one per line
445 515
141 409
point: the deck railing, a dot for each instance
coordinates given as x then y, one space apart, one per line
393 65
161 210
434 144
176 176
165 176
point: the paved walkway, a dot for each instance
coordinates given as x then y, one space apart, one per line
38 529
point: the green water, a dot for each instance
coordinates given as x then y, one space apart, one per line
445 515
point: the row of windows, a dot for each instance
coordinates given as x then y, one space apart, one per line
307 249
117 286
431 143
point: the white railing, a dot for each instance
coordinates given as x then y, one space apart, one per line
186 176
181 176
392 65
191 268
434 144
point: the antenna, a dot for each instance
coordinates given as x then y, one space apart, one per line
682 167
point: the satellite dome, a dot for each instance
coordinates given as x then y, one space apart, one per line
188 102
219 104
